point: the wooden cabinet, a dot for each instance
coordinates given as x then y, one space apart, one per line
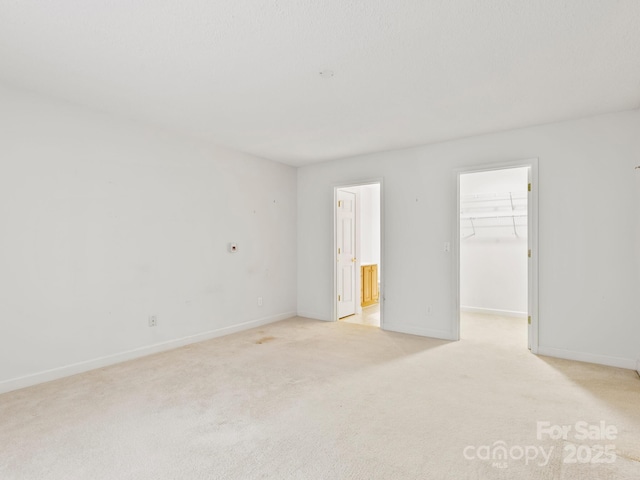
368 285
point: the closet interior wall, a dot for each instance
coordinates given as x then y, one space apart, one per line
493 242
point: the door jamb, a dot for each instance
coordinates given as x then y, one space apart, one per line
532 226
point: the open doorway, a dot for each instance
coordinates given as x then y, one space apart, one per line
496 272
358 254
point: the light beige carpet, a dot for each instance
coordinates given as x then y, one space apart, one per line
304 399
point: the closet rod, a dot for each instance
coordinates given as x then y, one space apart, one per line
497 226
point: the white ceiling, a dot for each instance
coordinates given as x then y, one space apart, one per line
246 74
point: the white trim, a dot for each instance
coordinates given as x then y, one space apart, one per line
619 362
314 316
532 206
493 311
85 366
423 332
532 235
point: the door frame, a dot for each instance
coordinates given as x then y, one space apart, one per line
532 239
355 184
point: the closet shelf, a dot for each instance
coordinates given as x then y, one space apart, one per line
493 197
506 210
491 215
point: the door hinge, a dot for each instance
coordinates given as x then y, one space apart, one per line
529 319
339 203
338 250
338 297
529 187
529 254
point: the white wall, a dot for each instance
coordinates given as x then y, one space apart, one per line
588 211
104 222
370 224
493 260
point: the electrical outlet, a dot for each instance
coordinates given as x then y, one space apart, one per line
153 320
429 310
259 301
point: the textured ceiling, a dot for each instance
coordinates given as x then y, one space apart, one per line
246 74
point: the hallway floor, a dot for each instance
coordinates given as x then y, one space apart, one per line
370 316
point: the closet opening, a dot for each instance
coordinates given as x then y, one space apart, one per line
495 255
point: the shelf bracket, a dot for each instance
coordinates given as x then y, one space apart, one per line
473 227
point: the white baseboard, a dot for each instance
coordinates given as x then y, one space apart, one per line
493 311
619 362
423 332
314 316
80 367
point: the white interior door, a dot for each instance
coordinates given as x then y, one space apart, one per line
345 255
